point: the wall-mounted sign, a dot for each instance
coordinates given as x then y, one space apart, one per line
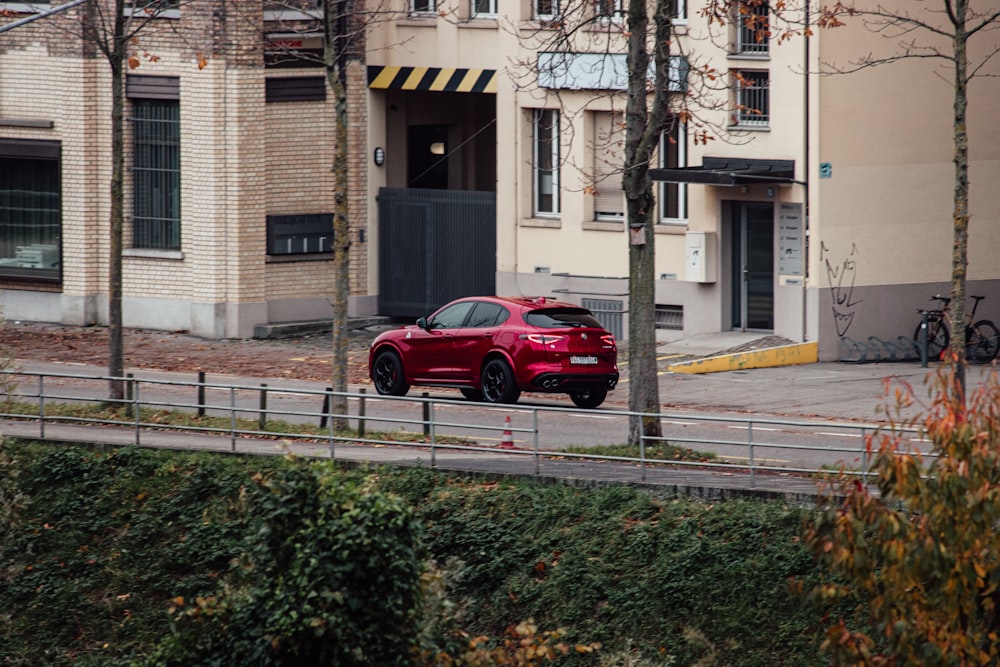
791 240
825 170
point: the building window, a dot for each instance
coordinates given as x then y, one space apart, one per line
752 98
680 12
609 160
30 214
545 161
673 155
156 169
611 9
752 30
484 8
422 6
546 10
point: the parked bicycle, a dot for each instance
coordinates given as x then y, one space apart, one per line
982 338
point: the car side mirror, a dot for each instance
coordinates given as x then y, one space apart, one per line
422 323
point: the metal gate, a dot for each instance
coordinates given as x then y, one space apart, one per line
434 246
608 312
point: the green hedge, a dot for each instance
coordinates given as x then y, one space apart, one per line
99 547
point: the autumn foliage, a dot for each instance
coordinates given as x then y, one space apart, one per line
922 552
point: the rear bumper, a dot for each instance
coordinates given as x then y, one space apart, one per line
564 382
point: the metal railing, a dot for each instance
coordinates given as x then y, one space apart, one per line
751 445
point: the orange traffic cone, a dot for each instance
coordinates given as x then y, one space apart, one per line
507 442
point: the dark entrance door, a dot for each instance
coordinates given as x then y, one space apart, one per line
753 266
427 157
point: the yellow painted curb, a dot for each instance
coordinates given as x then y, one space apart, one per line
786 355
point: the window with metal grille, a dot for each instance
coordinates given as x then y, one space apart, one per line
752 98
156 169
546 9
669 317
610 9
30 218
484 8
422 6
545 162
752 29
609 159
673 155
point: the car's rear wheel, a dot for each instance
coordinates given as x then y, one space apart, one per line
387 374
472 394
498 383
588 399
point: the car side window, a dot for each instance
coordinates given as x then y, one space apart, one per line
487 315
452 317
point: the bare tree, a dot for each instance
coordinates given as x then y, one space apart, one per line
934 30
343 24
115 29
662 84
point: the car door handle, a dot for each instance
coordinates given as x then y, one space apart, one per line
487 335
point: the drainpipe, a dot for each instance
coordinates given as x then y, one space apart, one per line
805 178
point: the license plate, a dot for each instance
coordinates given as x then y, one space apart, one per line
583 360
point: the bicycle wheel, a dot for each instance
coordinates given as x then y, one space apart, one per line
982 341
937 338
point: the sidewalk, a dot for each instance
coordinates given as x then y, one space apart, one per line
825 390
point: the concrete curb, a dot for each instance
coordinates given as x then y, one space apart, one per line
785 355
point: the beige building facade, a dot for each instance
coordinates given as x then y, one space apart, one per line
483 160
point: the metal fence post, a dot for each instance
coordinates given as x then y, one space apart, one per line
750 458
325 410
429 424
426 414
136 413
201 393
129 406
534 426
922 342
232 418
41 406
262 416
642 453
361 412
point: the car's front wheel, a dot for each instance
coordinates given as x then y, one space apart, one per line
588 399
498 383
387 374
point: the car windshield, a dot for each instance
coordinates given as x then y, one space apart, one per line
559 318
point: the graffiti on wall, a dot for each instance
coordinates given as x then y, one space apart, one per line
841 277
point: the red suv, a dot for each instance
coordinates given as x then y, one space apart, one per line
493 348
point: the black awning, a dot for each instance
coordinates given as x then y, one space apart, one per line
730 171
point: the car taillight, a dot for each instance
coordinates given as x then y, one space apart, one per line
608 339
542 339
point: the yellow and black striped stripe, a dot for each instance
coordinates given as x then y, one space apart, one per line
438 79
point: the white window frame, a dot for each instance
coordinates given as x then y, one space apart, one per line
617 7
542 14
744 118
608 164
490 13
545 180
681 11
680 136
745 42
423 7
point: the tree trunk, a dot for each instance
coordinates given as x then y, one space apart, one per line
644 124
116 347
960 215
336 15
